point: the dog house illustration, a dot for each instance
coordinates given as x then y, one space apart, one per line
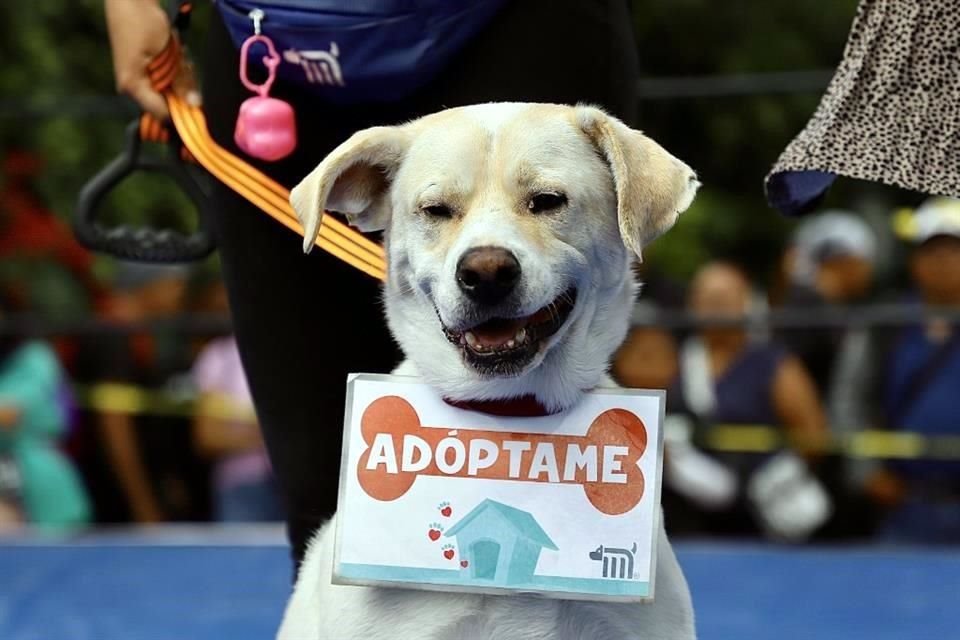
500 543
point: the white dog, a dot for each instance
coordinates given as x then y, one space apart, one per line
509 232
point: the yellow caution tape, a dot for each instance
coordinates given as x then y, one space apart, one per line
130 399
865 443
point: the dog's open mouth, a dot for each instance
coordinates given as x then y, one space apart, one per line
504 346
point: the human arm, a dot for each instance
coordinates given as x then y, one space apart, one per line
224 422
881 484
119 440
108 363
796 402
138 30
219 431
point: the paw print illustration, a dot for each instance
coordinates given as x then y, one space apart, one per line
445 509
435 530
448 551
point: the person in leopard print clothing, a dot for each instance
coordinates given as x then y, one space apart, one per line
891 113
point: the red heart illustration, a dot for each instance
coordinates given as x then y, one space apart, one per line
434 534
448 554
446 511
464 564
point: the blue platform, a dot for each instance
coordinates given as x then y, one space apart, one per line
200 583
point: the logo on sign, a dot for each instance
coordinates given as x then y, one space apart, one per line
617 563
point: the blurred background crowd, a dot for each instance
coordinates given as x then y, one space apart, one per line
810 365
818 402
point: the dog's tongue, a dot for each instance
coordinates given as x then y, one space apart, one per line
496 333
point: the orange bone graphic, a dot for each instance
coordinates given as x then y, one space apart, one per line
604 461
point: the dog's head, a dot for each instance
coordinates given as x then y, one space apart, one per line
509 229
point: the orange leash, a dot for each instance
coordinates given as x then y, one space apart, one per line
335 237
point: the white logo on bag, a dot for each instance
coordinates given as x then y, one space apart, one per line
320 67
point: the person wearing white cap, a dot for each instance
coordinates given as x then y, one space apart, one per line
938 216
921 382
830 262
829 242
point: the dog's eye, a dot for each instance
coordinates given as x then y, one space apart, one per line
437 211
547 201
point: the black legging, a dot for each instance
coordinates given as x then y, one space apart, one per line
303 322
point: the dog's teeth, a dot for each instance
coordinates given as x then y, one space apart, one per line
511 344
521 336
470 338
463 339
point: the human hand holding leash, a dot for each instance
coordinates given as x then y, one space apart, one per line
139 30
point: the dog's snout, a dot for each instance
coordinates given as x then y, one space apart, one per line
487 275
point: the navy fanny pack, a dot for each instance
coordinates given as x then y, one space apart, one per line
351 51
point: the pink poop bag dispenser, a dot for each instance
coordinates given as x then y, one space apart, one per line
266 128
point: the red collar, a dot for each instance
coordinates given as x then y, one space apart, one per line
523 407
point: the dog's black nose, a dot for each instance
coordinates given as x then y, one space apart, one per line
488 274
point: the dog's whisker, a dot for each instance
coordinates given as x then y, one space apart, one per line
400 292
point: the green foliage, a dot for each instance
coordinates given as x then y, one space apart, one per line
56 51
56 71
732 141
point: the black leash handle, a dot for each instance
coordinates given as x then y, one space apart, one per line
146 244
143 244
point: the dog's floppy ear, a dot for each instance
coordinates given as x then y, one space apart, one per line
353 180
653 187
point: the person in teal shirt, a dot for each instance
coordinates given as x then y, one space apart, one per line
32 418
